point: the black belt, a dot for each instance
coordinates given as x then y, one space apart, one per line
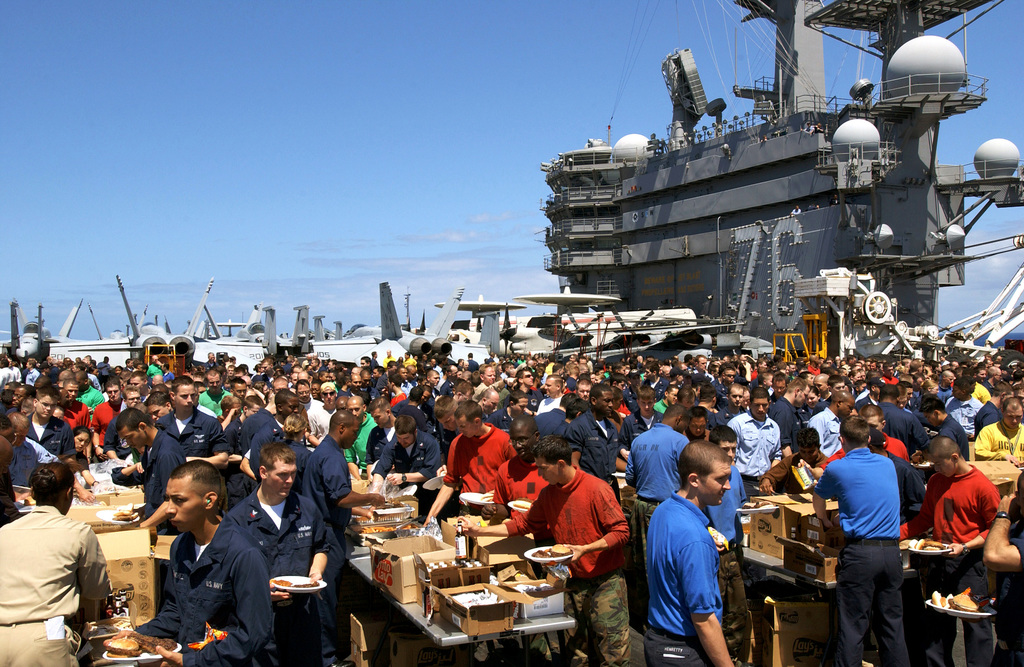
1016 646
872 543
692 640
753 478
649 501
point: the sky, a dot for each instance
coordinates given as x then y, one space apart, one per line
301 153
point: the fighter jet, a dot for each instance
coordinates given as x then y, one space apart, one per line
361 341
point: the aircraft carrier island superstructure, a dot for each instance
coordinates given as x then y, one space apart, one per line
731 213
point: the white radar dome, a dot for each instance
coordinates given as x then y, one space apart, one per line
858 134
630 147
926 64
996 158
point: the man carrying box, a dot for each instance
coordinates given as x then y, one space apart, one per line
581 512
292 534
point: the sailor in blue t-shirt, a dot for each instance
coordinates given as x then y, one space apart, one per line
685 611
871 571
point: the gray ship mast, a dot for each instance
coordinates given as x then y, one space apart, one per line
799 77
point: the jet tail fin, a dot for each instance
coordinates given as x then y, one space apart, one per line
211 323
390 329
193 324
489 334
15 331
442 324
99 334
270 331
300 334
65 329
128 309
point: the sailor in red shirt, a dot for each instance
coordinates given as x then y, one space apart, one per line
105 413
581 512
517 478
474 456
76 413
959 504
875 418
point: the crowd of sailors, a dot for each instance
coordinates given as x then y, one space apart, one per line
256 469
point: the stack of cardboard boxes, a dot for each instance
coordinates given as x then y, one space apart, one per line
411 568
793 534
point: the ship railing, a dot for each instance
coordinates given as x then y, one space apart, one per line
738 124
884 153
985 169
932 84
584 194
564 259
602 225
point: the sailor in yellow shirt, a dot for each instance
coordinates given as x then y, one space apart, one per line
981 393
1005 438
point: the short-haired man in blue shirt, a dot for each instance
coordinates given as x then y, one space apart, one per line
758 441
685 613
653 470
871 571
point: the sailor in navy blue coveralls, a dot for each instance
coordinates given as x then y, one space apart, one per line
292 535
223 583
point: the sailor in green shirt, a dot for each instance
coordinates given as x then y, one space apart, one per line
356 454
154 370
215 392
88 394
671 396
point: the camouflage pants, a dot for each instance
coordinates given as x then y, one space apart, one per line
734 601
639 520
602 621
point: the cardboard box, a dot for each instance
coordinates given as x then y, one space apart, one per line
811 531
1002 474
481 619
794 633
133 496
132 569
412 649
751 648
87 515
162 548
783 522
502 550
394 566
366 630
818 562
548 602
448 530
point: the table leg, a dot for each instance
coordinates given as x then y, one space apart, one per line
383 635
830 643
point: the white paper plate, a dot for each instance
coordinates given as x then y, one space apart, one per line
108 516
767 509
144 658
434 484
930 553
391 510
941 610
470 498
299 580
976 615
519 509
538 559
